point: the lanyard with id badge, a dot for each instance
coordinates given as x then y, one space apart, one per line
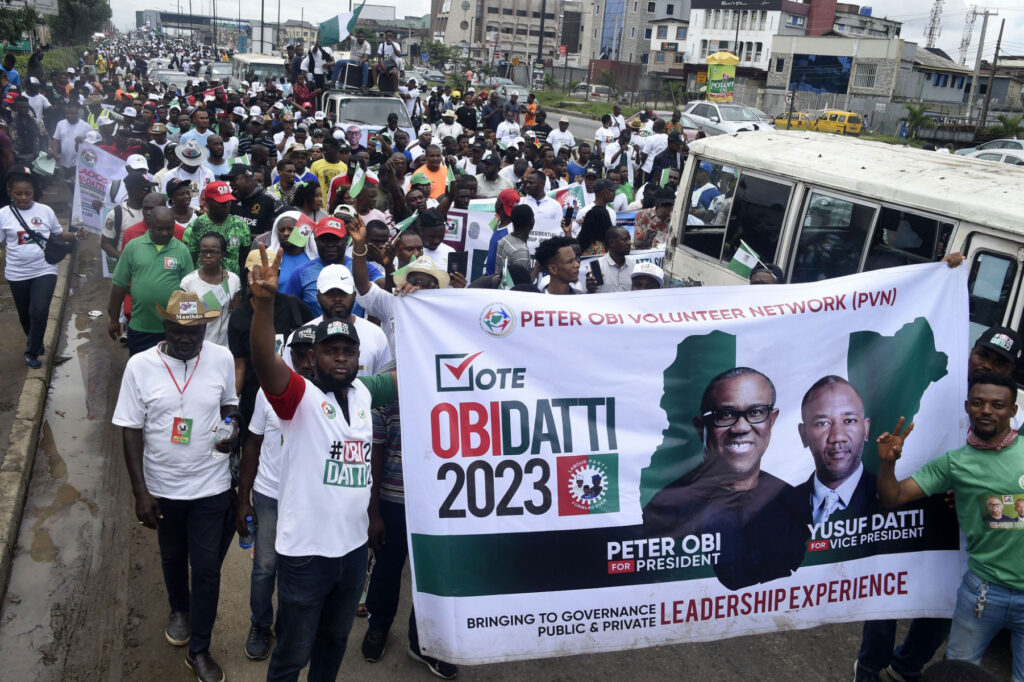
181 427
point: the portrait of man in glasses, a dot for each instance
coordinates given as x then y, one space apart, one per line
762 520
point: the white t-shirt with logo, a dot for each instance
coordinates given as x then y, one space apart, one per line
24 257
325 481
200 179
215 297
375 354
149 400
439 255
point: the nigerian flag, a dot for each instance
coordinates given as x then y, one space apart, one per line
744 260
338 28
357 182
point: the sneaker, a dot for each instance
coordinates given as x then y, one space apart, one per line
446 671
205 668
862 675
894 676
361 611
177 628
257 644
374 643
32 361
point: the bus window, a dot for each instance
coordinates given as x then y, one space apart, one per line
705 221
755 216
832 238
904 238
988 291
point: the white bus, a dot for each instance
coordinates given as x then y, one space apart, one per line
822 206
253 67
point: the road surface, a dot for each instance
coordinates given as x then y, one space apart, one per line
86 598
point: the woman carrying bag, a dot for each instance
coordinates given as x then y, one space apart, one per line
34 242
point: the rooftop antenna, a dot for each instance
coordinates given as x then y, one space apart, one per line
934 29
965 41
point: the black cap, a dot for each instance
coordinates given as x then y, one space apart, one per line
675 137
304 334
1002 341
603 184
491 158
664 196
431 218
590 170
329 329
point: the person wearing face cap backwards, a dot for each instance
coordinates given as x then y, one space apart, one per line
172 399
324 484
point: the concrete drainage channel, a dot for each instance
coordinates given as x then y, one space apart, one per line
16 468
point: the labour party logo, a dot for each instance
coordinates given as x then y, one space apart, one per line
328 410
87 158
588 485
498 319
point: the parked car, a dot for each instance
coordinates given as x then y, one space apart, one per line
763 116
993 144
1014 157
719 119
495 81
583 90
841 122
801 120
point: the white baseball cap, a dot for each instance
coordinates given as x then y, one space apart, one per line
137 162
335 276
129 112
320 115
238 111
255 111
649 269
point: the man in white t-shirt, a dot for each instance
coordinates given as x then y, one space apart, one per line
508 129
410 94
173 400
358 56
258 480
432 231
68 134
605 135
547 212
324 484
192 157
336 294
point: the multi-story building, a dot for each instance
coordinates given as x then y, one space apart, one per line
856 20
668 34
294 32
622 30
496 29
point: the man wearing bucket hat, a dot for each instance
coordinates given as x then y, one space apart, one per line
170 413
322 496
191 156
150 269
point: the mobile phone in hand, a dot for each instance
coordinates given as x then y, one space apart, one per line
595 270
458 261
569 213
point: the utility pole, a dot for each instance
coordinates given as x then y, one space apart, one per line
977 63
991 77
214 24
263 4
540 42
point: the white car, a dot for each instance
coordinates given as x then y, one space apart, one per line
719 119
1014 157
992 145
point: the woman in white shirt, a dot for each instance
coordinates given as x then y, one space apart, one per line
179 196
31 278
217 286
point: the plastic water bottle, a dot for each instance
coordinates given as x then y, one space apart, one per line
223 430
245 541
377 146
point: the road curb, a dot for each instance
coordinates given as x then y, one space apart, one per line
16 467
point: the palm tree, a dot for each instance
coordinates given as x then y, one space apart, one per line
608 78
1008 126
916 118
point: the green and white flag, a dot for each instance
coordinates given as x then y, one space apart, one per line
338 28
357 182
744 260
401 227
506 279
664 177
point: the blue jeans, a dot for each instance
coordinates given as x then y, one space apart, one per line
1004 609
190 534
923 640
386 580
316 604
340 65
264 561
32 300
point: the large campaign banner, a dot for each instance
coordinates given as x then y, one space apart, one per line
96 170
603 472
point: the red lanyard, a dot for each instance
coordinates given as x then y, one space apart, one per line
181 390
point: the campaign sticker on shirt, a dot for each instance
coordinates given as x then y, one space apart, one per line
347 464
328 409
1003 512
181 431
234 242
36 220
170 263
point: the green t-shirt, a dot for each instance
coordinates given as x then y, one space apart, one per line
235 233
381 387
627 189
995 549
151 274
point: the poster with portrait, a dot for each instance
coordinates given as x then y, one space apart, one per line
605 472
96 171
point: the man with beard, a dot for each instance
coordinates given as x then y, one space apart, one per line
324 475
178 466
762 519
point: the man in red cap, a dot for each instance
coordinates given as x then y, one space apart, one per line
218 218
507 200
331 239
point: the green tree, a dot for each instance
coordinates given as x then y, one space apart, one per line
608 78
15 23
438 53
1008 126
916 118
77 20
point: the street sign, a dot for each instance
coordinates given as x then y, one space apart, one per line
670 47
702 77
789 97
562 49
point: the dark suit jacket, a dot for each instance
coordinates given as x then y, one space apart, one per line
863 501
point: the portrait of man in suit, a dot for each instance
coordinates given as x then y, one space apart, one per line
834 428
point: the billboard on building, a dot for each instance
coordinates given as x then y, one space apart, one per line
769 5
820 73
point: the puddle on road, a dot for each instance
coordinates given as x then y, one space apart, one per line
59 538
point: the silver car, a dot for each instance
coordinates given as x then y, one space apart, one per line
720 119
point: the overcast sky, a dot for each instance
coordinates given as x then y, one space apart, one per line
913 13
